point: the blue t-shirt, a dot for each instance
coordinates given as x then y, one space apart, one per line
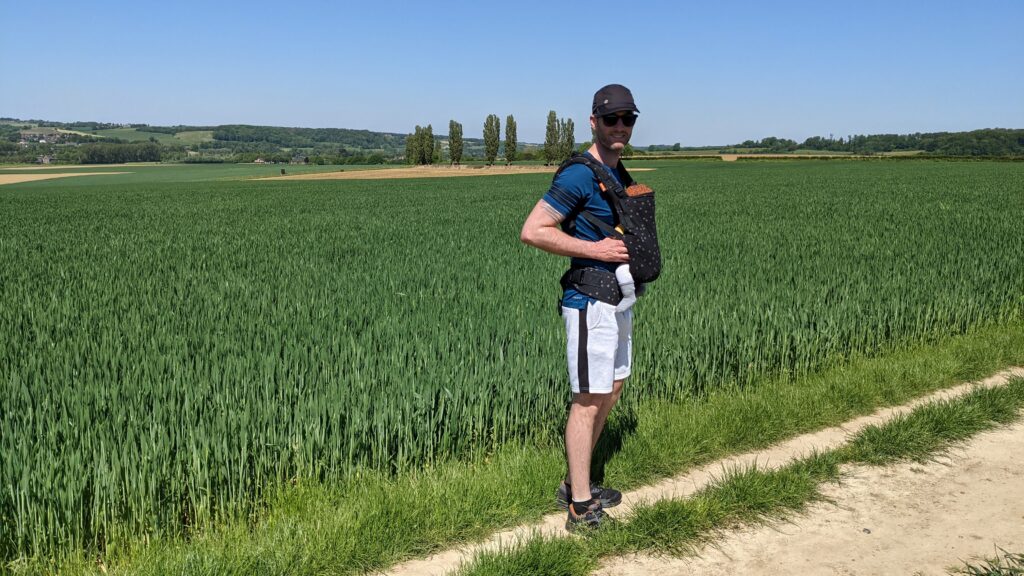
576 189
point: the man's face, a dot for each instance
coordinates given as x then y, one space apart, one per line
613 136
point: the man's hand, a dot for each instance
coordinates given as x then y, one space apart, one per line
610 250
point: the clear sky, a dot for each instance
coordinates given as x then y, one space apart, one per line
703 73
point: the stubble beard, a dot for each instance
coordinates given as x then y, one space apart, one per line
607 143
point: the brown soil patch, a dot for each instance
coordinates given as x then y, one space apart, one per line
416 172
734 157
690 482
424 172
16 178
70 166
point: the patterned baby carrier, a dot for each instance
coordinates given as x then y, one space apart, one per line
632 207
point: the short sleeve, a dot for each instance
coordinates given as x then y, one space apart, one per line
570 189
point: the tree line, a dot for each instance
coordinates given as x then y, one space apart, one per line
104 153
422 147
306 137
119 153
987 142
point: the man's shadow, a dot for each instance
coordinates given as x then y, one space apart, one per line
620 425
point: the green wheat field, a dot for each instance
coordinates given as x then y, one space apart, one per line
178 342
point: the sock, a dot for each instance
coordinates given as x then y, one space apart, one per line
626 286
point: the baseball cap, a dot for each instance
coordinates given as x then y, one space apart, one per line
613 98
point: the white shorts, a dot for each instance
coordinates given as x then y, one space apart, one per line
599 346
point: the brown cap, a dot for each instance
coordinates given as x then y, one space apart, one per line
613 98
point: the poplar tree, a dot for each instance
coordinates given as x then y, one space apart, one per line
492 137
566 138
455 141
551 140
412 146
510 139
427 145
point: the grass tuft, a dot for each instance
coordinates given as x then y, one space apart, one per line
741 496
540 555
1004 564
929 430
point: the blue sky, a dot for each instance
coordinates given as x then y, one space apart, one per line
703 73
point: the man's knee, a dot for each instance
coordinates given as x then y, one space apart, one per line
587 401
589 405
613 397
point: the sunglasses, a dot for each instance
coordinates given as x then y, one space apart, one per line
613 119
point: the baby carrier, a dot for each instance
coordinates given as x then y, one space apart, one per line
633 212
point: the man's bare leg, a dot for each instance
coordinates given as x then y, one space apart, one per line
579 441
587 416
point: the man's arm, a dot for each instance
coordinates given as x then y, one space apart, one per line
541 230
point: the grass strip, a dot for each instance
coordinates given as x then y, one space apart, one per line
373 521
749 495
1004 564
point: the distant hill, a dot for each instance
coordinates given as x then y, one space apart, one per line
29 140
310 137
987 142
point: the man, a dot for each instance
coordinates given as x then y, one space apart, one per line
599 339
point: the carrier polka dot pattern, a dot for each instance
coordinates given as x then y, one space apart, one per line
641 237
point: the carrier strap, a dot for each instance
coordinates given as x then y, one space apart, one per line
600 224
611 189
599 171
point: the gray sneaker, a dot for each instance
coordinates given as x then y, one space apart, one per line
587 520
608 497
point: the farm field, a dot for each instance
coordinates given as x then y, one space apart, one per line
181 342
136 135
149 173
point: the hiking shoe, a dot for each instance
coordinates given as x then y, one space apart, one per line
587 520
609 497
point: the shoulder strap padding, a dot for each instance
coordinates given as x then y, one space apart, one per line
609 183
612 190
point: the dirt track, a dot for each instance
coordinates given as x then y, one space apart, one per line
16 178
417 172
70 166
821 523
903 519
734 157
425 172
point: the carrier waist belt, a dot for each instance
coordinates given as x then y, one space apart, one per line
597 283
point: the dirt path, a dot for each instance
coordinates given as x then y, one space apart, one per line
734 157
425 172
686 484
416 172
16 178
70 166
902 519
